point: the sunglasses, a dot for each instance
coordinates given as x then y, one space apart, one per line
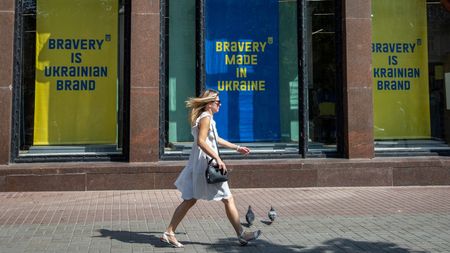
217 102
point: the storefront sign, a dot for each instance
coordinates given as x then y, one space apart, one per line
400 69
76 72
241 47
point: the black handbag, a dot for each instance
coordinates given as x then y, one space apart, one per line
213 174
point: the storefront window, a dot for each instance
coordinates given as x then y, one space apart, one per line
410 58
70 78
323 80
248 50
182 73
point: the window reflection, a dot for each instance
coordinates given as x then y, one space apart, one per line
322 86
48 137
321 53
422 122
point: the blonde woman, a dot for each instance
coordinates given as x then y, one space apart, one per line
192 182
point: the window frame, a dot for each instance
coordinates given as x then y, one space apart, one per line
397 147
18 101
304 75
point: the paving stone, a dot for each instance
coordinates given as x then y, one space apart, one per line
365 219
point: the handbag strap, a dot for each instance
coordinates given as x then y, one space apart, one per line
215 139
217 144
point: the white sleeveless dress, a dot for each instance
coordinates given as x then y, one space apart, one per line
192 181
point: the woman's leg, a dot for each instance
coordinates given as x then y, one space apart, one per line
178 215
232 214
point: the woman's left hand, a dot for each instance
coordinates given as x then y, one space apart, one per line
243 150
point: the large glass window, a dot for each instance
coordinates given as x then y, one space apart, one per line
323 77
248 50
410 58
70 76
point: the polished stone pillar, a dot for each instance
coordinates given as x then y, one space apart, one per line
358 101
6 76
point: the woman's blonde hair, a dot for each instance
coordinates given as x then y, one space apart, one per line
198 104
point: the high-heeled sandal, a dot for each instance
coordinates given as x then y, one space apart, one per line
243 241
165 238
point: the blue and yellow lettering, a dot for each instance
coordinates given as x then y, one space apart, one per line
75 85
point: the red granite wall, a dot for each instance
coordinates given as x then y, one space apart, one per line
145 171
6 76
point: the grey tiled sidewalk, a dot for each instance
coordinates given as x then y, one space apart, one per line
372 219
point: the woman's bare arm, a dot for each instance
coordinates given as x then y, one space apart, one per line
240 149
203 129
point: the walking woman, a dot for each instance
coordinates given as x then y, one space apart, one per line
192 182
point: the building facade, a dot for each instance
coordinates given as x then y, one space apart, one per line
325 93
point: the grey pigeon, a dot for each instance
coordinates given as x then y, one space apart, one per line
250 216
272 214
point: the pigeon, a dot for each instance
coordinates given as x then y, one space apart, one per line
272 214
250 216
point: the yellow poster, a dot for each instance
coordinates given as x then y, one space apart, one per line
76 72
400 69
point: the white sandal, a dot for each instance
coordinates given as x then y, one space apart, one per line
165 238
243 241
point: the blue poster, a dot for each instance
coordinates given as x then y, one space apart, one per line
241 62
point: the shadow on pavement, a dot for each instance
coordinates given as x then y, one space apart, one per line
133 237
337 245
